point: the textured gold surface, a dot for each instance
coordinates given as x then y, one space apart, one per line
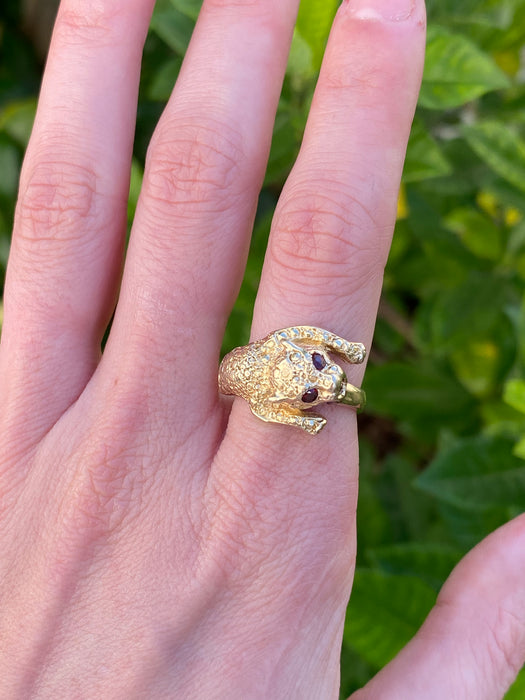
274 375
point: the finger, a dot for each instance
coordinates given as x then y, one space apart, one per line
204 170
324 265
71 215
472 644
333 225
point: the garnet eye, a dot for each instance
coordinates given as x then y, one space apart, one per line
318 361
310 396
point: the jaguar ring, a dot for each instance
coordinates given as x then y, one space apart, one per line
289 372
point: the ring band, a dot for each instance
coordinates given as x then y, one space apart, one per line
290 371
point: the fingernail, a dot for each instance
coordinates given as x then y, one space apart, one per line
390 10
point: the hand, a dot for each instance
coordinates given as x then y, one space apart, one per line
155 541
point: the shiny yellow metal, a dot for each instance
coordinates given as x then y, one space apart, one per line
290 371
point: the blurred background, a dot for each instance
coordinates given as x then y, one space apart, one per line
443 446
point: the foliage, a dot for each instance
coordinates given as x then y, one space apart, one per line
443 451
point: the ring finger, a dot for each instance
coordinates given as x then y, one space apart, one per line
324 267
333 226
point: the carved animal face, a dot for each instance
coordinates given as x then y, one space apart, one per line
306 376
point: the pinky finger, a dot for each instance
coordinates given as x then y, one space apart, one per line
472 644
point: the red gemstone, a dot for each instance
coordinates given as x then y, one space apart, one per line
310 396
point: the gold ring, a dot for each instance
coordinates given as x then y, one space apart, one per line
290 371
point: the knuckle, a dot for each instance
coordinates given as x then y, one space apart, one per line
111 484
56 198
312 229
256 492
102 495
322 237
236 547
507 644
197 167
85 23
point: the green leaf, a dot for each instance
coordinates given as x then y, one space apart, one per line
5 242
517 689
468 527
478 233
478 473
424 158
456 71
477 364
313 24
300 67
285 146
514 394
135 185
472 309
162 84
407 508
172 26
430 562
355 672
501 148
519 448
481 360
494 14
17 118
494 23
500 418
190 8
425 396
9 167
385 612
372 519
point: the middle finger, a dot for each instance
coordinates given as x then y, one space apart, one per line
204 170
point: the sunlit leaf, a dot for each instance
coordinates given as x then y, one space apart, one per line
479 361
501 147
134 189
300 67
313 23
514 394
190 8
519 448
456 71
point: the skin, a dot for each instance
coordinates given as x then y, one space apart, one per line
157 541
